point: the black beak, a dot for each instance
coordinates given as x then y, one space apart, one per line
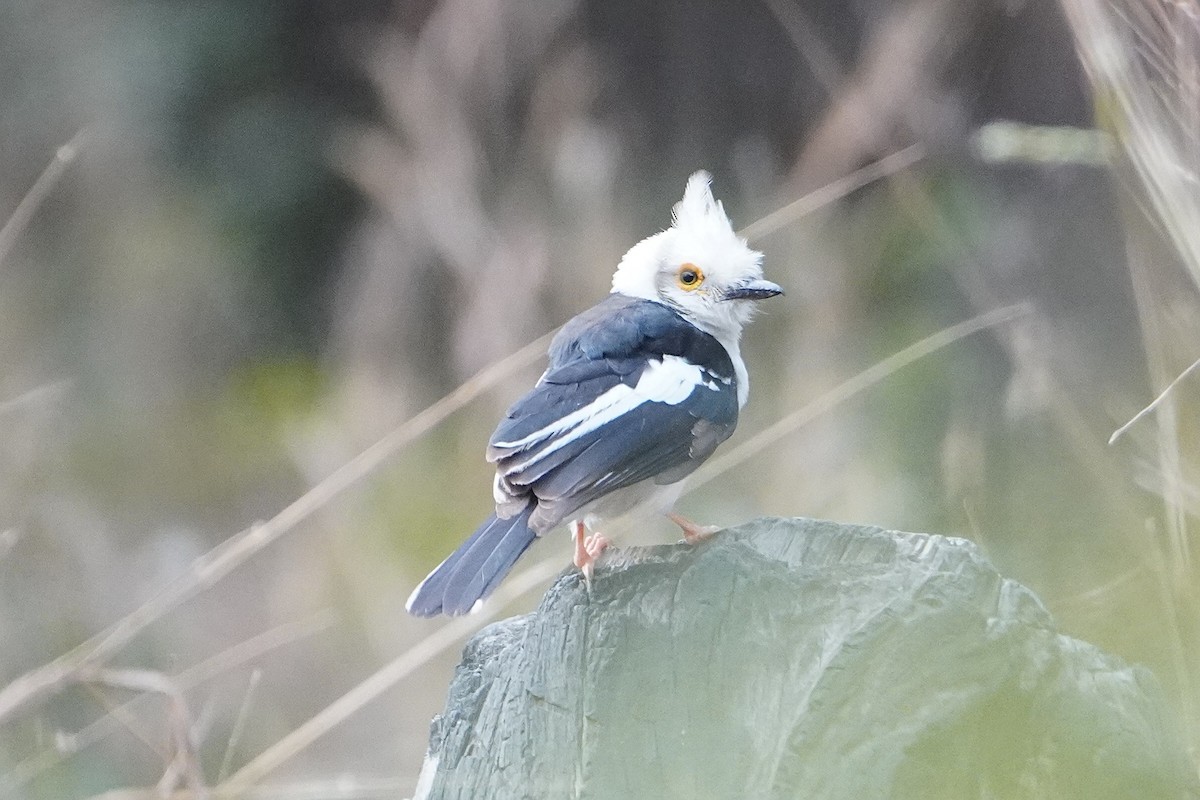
752 290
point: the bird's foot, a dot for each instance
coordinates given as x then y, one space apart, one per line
587 549
692 533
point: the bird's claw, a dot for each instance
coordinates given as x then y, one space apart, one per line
693 533
587 549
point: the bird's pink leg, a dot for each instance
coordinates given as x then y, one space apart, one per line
587 548
692 533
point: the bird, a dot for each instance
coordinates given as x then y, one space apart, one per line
639 390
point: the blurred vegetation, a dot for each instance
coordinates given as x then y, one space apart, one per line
290 227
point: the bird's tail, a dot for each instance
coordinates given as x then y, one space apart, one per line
475 569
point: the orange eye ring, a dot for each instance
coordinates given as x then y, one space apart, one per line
689 276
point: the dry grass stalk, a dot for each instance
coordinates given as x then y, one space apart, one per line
183 768
227 660
1143 61
236 550
871 376
37 194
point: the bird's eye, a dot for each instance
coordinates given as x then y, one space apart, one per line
689 276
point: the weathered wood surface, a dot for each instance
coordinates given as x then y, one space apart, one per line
798 659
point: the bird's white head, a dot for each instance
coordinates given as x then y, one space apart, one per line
699 266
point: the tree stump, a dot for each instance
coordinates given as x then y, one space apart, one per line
795 658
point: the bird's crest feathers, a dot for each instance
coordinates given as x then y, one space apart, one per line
699 213
701 238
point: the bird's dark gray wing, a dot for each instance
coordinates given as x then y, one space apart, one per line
633 393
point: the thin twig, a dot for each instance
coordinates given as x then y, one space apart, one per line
388 676
234 551
255 647
1155 403
122 717
9 538
239 725
869 377
219 664
185 762
38 193
808 42
341 788
34 396
834 191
